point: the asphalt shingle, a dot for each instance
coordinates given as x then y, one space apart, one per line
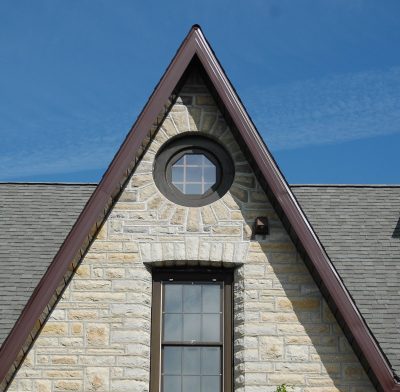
34 221
359 227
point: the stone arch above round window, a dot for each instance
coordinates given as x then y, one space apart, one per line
193 170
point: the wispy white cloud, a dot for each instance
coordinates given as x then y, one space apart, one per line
58 137
313 112
24 164
328 110
83 144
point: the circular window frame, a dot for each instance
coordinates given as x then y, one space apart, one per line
177 147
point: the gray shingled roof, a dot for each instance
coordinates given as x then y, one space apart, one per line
34 221
358 226
360 230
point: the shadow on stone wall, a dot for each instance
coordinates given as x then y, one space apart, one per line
302 338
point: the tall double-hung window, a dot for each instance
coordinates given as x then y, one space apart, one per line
191 331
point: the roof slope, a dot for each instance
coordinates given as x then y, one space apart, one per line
360 230
34 221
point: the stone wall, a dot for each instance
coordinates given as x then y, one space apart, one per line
98 336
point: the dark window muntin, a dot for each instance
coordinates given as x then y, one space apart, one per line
190 143
196 275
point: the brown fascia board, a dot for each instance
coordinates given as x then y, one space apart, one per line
195 44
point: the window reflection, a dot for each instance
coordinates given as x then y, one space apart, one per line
197 367
192 317
193 174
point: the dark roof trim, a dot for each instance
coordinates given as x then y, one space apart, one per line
196 44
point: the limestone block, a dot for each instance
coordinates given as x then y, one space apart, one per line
180 118
64 359
194 118
192 247
97 379
42 386
169 127
193 220
207 216
54 329
67 385
97 334
271 347
297 353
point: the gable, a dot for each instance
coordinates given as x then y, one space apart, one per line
268 174
98 335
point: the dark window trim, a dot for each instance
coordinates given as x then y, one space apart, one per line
189 143
160 275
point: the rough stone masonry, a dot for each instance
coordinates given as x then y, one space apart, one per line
98 336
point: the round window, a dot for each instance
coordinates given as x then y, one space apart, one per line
193 170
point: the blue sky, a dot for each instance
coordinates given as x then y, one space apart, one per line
321 80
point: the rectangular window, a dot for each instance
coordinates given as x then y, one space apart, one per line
191 349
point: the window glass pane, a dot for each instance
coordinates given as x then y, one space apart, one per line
180 187
193 189
181 162
211 360
210 383
191 384
192 298
207 187
193 174
211 328
207 162
172 384
194 159
210 174
211 298
191 361
173 298
177 174
172 360
172 327
191 327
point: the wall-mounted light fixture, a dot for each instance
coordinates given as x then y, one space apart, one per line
261 227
